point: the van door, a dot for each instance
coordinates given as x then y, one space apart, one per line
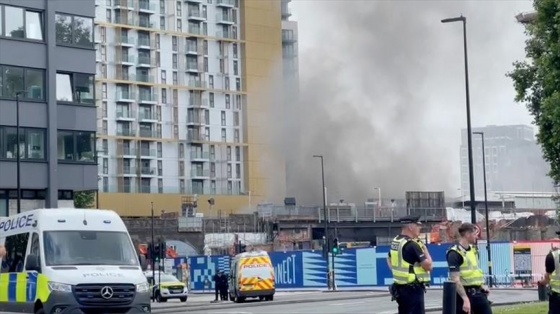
13 279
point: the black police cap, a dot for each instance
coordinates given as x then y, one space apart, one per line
410 220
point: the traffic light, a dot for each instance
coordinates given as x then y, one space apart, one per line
163 250
335 247
157 252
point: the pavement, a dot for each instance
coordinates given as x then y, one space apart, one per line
327 303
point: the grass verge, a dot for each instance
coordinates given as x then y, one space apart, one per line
533 308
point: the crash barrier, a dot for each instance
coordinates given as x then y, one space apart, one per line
514 265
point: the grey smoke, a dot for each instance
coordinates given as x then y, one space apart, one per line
382 92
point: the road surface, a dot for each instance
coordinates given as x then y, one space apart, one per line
346 302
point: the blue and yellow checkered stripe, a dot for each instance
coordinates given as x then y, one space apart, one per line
18 287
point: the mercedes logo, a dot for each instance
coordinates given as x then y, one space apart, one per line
106 292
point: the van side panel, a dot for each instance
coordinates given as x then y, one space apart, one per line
20 291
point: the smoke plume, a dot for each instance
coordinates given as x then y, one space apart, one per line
382 92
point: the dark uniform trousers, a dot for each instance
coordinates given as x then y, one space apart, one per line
411 299
479 301
554 303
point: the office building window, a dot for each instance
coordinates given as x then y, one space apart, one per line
75 88
21 23
74 30
223 118
15 79
32 143
76 146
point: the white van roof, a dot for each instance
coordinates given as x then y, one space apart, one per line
252 254
61 219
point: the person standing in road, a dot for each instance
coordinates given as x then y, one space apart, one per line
218 285
552 278
411 265
462 259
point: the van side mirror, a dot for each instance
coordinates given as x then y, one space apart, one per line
33 263
142 261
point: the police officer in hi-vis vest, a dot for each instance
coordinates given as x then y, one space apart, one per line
552 278
411 264
462 259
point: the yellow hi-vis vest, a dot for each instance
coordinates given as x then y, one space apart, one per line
404 272
555 278
471 274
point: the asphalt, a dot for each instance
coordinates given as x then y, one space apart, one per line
331 303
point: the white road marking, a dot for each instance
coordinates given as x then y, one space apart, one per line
349 303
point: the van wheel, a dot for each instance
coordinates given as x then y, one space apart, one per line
270 298
231 298
261 298
159 298
183 299
240 299
40 311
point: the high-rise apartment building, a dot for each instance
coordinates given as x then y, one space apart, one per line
291 93
182 91
47 67
514 161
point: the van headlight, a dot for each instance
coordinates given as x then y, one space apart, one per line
143 287
60 287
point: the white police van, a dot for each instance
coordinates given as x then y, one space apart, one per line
70 261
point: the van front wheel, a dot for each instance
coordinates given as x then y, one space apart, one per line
40 311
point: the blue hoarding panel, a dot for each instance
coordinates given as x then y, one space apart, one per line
203 269
288 268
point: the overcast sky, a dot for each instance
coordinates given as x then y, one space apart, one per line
383 89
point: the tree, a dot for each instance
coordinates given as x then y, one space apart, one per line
74 30
84 199
537 80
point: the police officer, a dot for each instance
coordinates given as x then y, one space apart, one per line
410 264
552 277
462 259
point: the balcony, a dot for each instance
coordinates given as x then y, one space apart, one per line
225 35
146 23
129 170
125 41
197 84
126 132
225 3
144 43
224 19
125 96
127 152
195 137
147 7
200 174
145 78
148 98
149 134
289 37
194 67
147 115
144 62
127 60
196 31
125 115
195 102
195 15
195 119
200 156
192 48
124 4
149 171
193 1
146 152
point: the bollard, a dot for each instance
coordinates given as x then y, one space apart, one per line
449 298
543 292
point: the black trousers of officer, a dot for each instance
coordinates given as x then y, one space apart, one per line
411 299
224 293
479 302
554 303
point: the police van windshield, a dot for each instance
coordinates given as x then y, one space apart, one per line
88 248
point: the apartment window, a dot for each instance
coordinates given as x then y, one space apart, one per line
212 152
224 135
211 99
162 23
237 101
211 81
226 83
238 171
21 23
108 15
179 25
213 187
237 84
228 100
105 184
174 43
223 118
174 60
158 41
182 186
236 118
15 79
105 166
74 30
179 9
235 67
212 169
32 143
164 96
76 146
229 171
237 153
163 77
235 53
228 152
205 64
205 46
160 186
75 88
229 188
236 136
175 79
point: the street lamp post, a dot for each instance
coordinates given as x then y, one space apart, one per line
468 104
325 212
378 189
486 210
18 153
